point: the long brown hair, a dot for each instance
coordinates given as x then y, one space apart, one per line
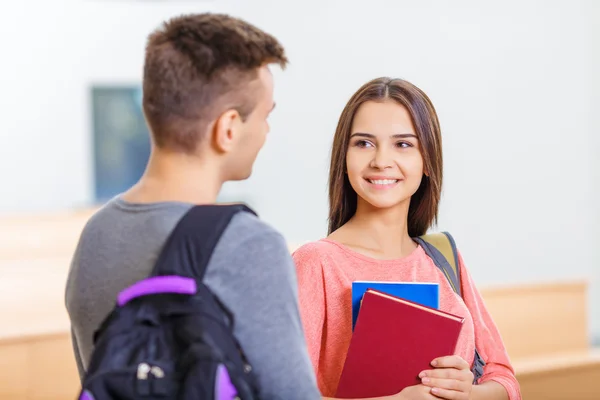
423 209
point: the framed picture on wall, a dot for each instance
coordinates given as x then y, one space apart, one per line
121 144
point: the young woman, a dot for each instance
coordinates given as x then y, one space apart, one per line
384 188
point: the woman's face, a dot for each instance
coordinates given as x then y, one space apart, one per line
384 162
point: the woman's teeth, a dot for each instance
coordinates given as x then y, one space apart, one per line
382 181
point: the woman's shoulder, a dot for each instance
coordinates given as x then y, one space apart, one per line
315 251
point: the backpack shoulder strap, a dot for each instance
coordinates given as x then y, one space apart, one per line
442 250
190 245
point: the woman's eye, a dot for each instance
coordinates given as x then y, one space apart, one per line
404 145
363 143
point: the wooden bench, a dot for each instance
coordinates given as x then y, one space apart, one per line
38 367
545 330
36 354
41 235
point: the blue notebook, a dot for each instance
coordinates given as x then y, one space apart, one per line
424 293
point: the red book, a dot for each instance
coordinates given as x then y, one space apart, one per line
393 341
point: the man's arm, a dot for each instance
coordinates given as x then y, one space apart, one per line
80 367
253 274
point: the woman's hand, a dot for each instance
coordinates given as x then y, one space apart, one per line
450 379
417 392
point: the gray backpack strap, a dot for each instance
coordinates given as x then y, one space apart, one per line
441 248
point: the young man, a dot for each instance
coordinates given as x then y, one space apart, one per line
207 95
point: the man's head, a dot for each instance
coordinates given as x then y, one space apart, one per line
208 90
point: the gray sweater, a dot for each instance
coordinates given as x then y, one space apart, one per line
251 272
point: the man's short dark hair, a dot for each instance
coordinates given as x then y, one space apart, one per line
198 66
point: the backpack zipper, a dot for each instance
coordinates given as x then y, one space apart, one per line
159 386
149 380
142 371
143 384
157 372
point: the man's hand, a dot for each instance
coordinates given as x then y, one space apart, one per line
450 379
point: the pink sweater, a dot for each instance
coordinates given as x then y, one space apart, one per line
326 270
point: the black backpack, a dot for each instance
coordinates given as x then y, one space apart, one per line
441 248
169 337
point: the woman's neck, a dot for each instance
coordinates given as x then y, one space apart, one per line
376 232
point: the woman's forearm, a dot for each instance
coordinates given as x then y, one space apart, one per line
489 390
370 398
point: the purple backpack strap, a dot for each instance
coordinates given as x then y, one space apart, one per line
156 285
224 389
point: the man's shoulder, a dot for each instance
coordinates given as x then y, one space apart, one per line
118 213
250 254
250 241
248 227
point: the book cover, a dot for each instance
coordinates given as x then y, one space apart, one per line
424 293
394 340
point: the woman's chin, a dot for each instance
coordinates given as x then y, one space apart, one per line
384 204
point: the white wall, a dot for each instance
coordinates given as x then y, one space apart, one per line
594 150
512 82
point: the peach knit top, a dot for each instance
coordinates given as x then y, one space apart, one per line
326 270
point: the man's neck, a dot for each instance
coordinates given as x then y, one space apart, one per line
176 177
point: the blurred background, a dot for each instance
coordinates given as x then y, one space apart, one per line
516 85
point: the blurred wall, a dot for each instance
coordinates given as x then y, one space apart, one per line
594 151
515 84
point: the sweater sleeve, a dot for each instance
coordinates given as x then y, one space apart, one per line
487 339
311 295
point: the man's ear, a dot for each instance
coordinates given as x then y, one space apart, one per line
225 130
